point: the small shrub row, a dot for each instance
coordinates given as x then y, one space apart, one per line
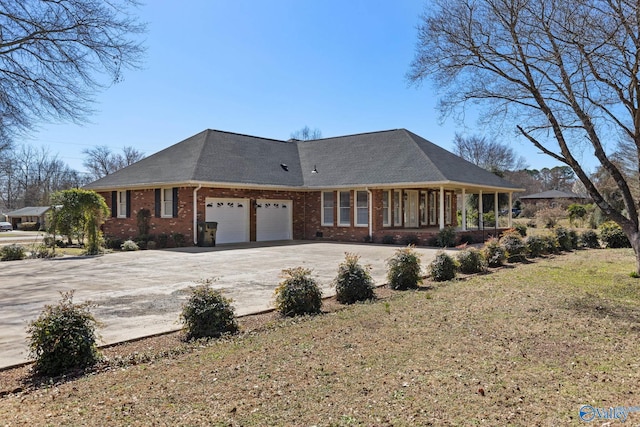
63 336
468 261
446 238
147 241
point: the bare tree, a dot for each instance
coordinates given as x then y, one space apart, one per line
306 134
30 175
54 56
490 155
101 161
565 73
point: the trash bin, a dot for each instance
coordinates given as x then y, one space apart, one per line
211 228
207 233
202 235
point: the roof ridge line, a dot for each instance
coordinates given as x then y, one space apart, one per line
350 135
245 134
422 153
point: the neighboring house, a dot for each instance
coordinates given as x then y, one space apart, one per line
30 214
553 198
350 188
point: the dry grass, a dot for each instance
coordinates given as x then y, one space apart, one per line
525 345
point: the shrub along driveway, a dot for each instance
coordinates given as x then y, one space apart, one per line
141 293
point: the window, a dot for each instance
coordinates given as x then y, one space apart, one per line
423 207
122 204
433 208
167 202
386 209
447 208
362 208
344 213
397 208
328 203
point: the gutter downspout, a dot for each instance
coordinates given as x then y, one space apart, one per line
195 214
370 213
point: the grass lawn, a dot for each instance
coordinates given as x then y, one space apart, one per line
525 345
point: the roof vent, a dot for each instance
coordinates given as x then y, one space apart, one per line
284 167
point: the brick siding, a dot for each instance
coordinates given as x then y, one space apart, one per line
306 215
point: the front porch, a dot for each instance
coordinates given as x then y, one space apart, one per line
428 236
418 215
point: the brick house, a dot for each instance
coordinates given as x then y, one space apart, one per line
350 188
553 198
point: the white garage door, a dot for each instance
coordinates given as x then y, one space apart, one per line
232 216
273 219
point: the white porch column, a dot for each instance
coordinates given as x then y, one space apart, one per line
464 210
496 211
441 208
510 212
480 218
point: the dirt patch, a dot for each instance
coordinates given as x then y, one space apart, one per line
140 305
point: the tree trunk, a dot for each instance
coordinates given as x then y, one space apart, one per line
634 239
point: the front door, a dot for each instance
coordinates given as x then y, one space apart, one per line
411 209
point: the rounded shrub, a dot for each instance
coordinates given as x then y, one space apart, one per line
446 237
113 243
298 293
551 244
404 270
494 254
63 338
353 283
129 245
575 239
612 235
207 313
589 239
411 240
514 245
12 253
471 261
565 239
442 268
536 246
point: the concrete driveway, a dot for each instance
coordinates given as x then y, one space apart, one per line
141 293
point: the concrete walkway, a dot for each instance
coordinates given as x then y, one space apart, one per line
141 293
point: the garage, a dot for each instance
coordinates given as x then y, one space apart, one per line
232 216
273 219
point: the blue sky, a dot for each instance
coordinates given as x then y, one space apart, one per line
267 68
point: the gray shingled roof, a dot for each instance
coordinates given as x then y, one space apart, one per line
377 158
554 194
213 156
29 211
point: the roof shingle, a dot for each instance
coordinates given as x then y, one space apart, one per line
378 158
